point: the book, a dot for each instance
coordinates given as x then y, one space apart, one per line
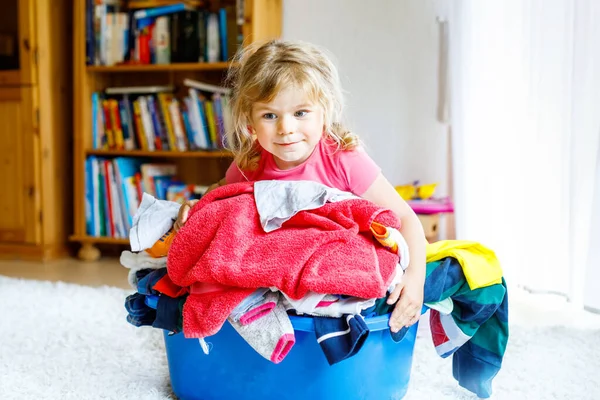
211 123
98 138
161 41
213 38
149 171
147 123
139 126
189 46
223 34
115 122
90 228
90 40
126 169
97 203
139 89
108 128
164 100
195 113
159 11
178 125
127 123
159 131
206 87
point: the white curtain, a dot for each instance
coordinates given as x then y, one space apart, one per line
525 117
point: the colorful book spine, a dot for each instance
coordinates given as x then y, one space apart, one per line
158 11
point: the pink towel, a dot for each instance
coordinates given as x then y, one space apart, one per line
327 250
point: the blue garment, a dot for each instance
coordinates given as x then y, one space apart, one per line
168 314
139 274
139 313
340 338
145 284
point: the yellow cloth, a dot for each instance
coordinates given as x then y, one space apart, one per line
479 264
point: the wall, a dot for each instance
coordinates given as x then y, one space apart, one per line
592 272
387 53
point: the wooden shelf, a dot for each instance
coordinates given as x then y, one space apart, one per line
262 20
157 3
98 239
10 77
166 154
159 67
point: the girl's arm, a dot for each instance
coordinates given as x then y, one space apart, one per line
410 290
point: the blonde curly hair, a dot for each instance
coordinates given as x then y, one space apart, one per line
260 71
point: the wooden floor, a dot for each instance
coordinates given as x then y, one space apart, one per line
104 272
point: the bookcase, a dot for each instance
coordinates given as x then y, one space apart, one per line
35 128
257 20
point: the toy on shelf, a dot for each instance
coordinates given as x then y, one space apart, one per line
415 191
420 198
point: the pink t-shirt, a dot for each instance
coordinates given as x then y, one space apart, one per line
348 170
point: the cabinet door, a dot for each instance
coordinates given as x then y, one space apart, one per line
20 217
18 45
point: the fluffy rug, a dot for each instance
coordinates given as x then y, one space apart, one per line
64 341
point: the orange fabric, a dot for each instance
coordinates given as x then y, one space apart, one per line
381 233
162 245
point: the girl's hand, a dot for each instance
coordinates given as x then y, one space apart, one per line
183 214
408 309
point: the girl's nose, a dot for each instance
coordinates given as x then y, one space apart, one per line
287 125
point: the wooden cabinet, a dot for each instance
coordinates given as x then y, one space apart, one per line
431 223
35 110
17 166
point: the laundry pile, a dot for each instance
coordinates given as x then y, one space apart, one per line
253 253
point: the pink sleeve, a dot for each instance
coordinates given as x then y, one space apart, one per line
233 174
359 170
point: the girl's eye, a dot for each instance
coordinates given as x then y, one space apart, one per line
301 113
269 116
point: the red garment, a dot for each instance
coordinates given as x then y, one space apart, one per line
166 286
327 250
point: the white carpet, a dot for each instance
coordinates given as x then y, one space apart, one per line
64 341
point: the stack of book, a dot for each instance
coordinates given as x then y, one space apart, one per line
151 118
114 189
174 33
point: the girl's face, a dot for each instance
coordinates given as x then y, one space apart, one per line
289 127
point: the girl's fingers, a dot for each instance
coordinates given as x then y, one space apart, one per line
393 297
184 214
182 217
413 320
395 322
398 318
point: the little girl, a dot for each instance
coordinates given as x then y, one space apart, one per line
286 109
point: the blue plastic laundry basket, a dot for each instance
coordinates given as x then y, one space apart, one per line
233 370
